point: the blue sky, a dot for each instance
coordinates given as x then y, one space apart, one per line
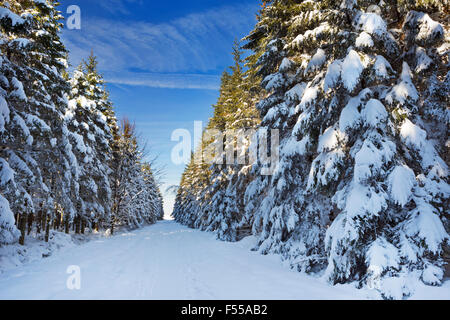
162 61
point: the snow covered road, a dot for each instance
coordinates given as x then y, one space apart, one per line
168 261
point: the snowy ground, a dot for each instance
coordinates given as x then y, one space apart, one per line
169 261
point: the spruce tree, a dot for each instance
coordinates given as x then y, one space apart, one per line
136 198
92 126
34 61
59 138
210 194
359 94
358 185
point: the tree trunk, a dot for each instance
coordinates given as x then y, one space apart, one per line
22 227
47 229
17 216
39 222
77 224
30 223
57 220
44 221
67 225
447 260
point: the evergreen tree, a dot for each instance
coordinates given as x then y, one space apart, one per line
90 131
34 89
59 137
136 197
11 24
357 173
359 93
210 194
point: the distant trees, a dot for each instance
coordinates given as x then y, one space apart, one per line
136 199
59 138
210 196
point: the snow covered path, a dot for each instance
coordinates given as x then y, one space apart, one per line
168 261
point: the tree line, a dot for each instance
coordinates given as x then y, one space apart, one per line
359 91
66 163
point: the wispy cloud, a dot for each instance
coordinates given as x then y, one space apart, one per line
162 80
184 53
118 6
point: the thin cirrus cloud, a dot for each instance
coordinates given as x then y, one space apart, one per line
118 6
165 80
189 52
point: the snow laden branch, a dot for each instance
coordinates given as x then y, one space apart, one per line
359 93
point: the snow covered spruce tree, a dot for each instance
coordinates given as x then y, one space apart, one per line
236 120
33 62
136 198
191 199
274 203
57 145
361 186
10 24
210 195
115 187
359 93
90 133
153 200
